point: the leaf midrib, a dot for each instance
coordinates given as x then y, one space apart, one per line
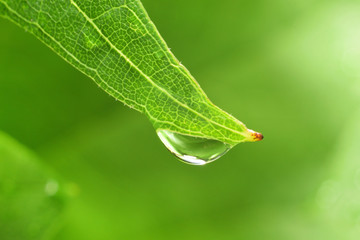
66 51
143 74
126 59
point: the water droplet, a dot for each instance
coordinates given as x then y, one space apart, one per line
193 150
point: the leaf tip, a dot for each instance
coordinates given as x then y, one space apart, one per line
255 136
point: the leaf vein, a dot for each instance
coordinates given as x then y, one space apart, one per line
144 75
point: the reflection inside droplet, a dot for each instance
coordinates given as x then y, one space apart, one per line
193 150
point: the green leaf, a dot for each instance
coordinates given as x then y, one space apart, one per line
115 43
31 199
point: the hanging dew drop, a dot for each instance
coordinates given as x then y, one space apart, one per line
193 150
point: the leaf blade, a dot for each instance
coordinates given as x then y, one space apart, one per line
116 44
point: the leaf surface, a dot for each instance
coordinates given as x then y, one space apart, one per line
115 43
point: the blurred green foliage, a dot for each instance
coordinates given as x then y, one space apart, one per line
30 201
289 70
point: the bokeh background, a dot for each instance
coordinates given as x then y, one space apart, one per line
75 164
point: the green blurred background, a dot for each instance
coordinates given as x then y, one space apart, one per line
75 164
